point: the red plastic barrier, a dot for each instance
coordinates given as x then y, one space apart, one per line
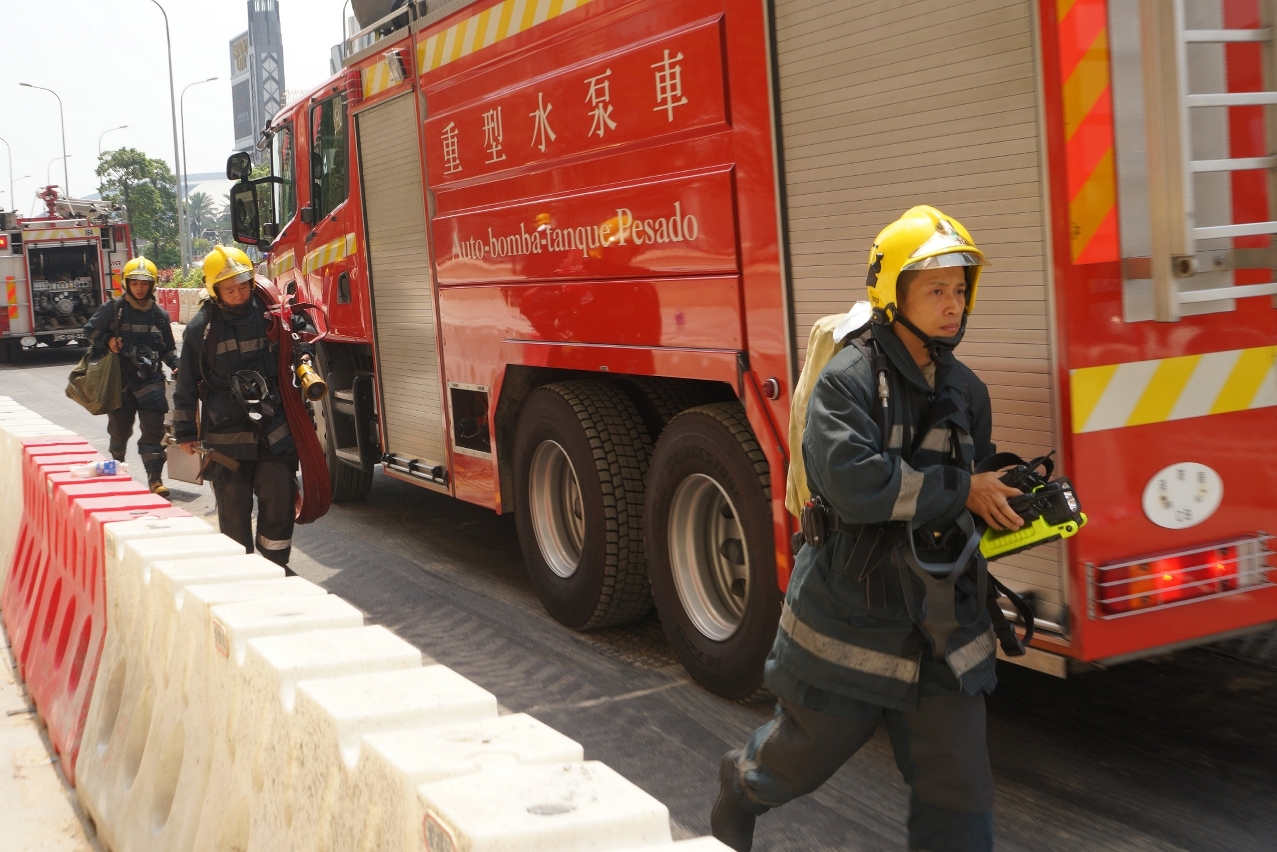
63 658
170 300
29 573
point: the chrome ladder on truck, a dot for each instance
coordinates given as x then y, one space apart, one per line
1192 255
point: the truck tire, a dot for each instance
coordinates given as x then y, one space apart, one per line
661 400
710 548
348 484
580 457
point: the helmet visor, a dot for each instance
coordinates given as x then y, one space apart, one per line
940 261
245 277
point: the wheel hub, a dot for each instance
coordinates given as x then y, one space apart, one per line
558 512
708 556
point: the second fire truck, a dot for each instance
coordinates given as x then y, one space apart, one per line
56 270
569 251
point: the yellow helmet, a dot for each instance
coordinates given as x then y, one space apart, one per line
223 263
139 268
923 238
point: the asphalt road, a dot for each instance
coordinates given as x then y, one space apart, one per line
1179 754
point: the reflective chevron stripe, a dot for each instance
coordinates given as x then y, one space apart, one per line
1141 392
487 28
59 234
329 253
281 264
376 78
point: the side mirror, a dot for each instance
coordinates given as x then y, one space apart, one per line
245 219
308 215
239 166
270 230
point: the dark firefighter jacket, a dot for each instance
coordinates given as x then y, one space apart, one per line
216 345
141 325
833 645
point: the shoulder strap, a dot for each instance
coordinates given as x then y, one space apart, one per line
881 365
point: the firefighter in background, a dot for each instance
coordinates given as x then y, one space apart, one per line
136 328
230 369
855 644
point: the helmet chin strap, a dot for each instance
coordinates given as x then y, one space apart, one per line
935 345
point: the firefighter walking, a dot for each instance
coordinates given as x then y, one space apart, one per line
229 373
895 428
137 329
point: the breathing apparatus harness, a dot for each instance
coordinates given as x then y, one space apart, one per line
935 611
288 324
144 359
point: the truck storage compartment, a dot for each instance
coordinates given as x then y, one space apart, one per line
66 284
884 106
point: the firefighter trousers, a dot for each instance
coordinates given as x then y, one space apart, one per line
940 750
272 479
119 426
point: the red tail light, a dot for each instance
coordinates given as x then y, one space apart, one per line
1167 580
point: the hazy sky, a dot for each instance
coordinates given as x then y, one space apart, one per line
107 61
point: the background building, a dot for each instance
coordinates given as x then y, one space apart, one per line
257 75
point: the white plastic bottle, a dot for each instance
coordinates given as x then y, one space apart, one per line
108 467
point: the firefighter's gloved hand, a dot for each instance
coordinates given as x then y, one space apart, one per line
988 499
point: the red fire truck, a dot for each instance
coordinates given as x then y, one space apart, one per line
569 252
57 270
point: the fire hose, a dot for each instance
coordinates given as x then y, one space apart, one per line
313 500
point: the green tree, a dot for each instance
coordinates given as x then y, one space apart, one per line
147 189
200 213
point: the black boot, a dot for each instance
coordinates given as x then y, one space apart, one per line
731 823
156 481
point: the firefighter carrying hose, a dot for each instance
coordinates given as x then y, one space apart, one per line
137 329
230 369
887 613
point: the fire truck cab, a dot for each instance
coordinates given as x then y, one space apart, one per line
569 252
57 270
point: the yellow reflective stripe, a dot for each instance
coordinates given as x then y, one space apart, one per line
1113 396
1163 391
279 265
329 252
1239 391
486 28
1088 385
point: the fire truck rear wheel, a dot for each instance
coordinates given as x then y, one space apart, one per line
580 458
710 548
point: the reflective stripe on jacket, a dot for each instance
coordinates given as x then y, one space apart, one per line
238 343
832 645
151 328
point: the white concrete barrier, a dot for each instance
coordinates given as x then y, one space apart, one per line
235 709
163 807
124 698
562 807
324 741
259 718
382 802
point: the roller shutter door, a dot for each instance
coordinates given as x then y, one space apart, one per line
400 277
887 105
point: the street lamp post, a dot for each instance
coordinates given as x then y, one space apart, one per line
104 132
66 181
172 96
48 173
12 200
186 236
